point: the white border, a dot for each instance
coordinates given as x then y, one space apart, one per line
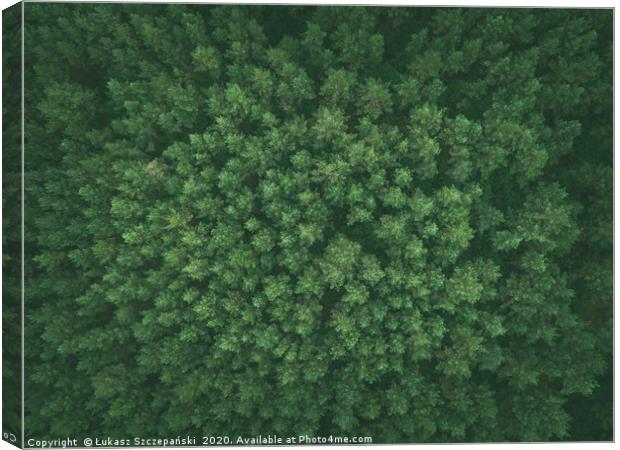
446 3
23 232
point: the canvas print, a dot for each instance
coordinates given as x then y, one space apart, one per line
285 224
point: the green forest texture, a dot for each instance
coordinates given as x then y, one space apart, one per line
11 225
357 221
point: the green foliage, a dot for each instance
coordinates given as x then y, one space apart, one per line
393 222
11 225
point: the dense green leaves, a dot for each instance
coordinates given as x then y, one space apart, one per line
393 222
11 226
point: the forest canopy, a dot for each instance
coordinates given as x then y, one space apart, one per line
356 221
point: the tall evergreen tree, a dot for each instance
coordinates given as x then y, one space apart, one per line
393 222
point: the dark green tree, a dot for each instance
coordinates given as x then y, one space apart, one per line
393 222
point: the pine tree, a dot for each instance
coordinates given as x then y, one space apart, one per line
393 222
